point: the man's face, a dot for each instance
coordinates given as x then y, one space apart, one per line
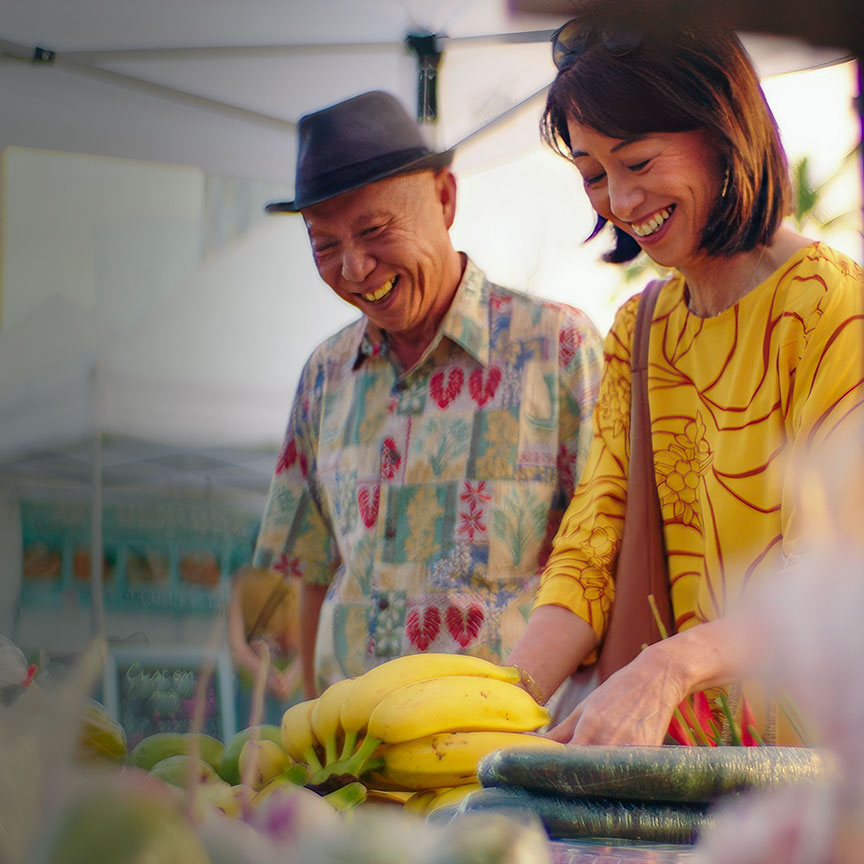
385 248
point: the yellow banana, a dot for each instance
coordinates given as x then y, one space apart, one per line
448 759
420 800
387 796
451 797
261 761
324 718
374 685
298 740
456 703
100 736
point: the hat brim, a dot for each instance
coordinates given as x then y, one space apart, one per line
432 162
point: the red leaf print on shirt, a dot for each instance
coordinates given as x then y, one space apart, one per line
390 458
482 391
422 627
287 457
288 566
368 504
570 340
445 392
464 625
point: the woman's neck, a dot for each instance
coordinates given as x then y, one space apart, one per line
715 283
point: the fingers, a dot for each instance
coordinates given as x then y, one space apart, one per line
563 732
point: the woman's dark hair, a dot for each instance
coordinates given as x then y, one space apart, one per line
694 78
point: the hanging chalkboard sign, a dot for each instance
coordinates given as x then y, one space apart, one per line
149 690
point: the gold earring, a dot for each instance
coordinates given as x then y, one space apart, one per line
725 184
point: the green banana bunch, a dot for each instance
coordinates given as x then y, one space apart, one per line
154 748
444 760
325 717
298 739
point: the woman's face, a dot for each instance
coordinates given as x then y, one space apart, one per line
658 188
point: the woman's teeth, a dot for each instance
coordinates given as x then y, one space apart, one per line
379 293
654 223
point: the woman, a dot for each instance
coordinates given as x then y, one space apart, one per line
755 359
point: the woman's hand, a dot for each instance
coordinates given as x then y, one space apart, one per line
633 706
636 704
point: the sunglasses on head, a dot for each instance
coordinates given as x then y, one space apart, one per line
572 39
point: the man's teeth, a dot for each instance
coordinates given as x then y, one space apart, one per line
383 291
653 223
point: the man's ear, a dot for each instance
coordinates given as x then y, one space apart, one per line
445 187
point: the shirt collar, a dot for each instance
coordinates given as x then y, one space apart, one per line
466 322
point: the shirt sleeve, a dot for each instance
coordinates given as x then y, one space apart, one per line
578 574
296 537
825 412
580 361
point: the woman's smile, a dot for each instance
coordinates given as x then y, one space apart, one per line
652 225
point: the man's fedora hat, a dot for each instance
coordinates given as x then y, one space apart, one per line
355 142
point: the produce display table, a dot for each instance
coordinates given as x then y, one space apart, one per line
601 852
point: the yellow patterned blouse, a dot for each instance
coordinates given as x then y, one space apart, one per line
735 400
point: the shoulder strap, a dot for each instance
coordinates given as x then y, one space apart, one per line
640 568
642 332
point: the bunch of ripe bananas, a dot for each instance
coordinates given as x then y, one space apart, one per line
415 726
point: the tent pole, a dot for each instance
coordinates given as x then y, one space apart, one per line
96 552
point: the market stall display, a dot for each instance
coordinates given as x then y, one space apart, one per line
431 755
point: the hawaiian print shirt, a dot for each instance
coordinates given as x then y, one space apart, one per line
427 500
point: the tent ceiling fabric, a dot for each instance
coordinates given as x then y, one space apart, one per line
271 79
269 58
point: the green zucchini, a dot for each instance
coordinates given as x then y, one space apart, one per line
596 818
695 775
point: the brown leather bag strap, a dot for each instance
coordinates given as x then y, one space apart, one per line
641 567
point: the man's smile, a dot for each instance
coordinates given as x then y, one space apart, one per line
382 292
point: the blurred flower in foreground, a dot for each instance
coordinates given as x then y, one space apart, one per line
810 615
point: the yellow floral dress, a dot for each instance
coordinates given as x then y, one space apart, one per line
736 401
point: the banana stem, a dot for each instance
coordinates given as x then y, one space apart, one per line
347 797
330 751
312 759
350 742
298 773
356 764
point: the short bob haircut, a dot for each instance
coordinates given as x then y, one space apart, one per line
693 78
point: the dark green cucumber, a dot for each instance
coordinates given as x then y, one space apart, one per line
695 775
595 818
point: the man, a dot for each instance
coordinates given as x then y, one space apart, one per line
434 443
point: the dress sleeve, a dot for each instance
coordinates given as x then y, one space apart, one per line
296 537
824 409
579 571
